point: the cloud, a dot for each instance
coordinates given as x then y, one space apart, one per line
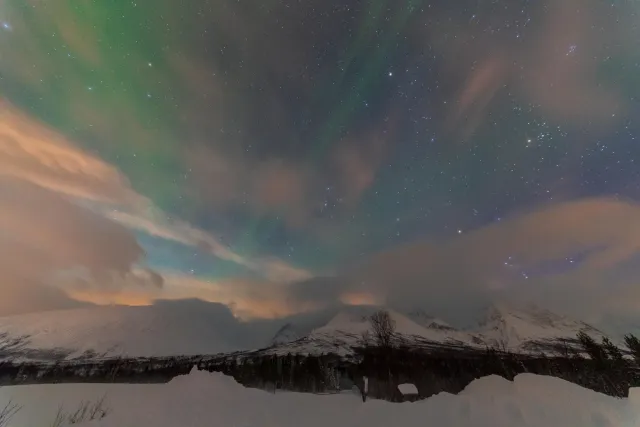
357 166
32 152
561 71
455 275
292 188
20 297
42 234
272 186
246 298
179 231
64 210
553 67
29 151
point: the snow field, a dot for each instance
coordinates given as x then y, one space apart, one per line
203 399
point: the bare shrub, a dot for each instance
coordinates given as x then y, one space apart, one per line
86 411
383 327
8 412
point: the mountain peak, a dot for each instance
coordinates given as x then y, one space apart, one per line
284 335
423 319
514 327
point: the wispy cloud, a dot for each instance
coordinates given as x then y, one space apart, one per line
247 299
597 240
552 65
65 208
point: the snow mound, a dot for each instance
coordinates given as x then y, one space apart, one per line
208 399
406 389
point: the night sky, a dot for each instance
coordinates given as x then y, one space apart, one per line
280 156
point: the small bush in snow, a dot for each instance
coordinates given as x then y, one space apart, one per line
86 411
8 412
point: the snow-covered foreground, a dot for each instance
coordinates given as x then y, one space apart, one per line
211 399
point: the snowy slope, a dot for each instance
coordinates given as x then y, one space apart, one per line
521 329
357 323
211 399
285 334
189 328
347 329
165 329
423 319
528 327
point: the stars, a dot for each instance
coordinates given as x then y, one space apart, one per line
418 142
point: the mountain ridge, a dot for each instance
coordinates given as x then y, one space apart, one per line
175 328
511 328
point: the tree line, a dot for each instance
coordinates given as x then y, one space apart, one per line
380 356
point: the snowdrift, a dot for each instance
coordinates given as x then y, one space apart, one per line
212 399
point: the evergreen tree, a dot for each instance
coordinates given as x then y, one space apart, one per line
613 352
633 344
596 352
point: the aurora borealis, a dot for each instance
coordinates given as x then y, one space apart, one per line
277 156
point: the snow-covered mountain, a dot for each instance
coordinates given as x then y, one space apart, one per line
166 328
528 328
519 329
423 319
285 334
193 327
348 322
351 327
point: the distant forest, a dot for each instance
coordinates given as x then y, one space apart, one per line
599 366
